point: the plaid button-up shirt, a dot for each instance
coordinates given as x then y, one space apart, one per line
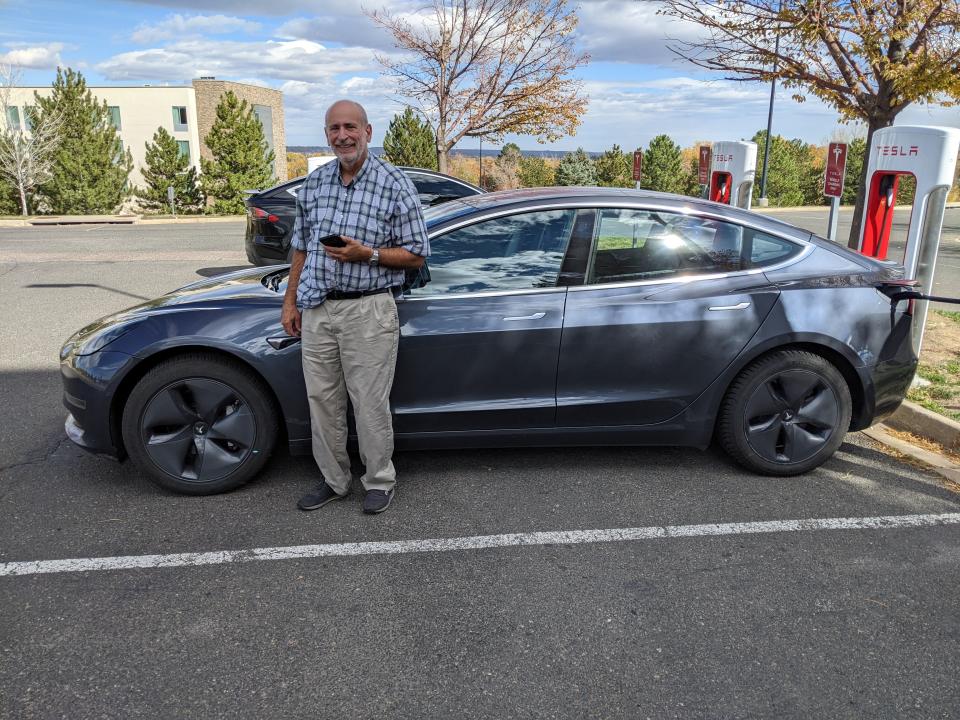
379 208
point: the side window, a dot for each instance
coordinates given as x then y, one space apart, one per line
651 245
516 252
647 245
767 249
114 116
184 147
13 117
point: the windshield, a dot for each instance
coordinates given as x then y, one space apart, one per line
436 214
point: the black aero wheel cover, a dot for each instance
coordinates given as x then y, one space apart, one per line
791 416
198 429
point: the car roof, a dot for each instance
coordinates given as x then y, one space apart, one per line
579 195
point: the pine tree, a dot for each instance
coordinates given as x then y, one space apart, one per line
691 178
535 172
856 152
576 168
167 166
615 168
663 166
241 159
90 167
789 172
410 141
9 200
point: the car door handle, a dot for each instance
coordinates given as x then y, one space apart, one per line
535 316
738 306
282 341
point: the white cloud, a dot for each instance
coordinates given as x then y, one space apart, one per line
179 26
630 31
37 57
271 60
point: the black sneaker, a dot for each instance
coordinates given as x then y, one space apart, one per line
318 498
377 501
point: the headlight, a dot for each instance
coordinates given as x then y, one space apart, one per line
87 343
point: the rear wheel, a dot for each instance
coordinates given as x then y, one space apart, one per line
785 414
199 425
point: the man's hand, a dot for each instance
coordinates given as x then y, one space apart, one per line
290 319
353 251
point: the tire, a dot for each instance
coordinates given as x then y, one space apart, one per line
199 425
785 414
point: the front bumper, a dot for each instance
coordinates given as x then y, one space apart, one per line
89 385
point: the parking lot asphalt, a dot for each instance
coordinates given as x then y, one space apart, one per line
700 615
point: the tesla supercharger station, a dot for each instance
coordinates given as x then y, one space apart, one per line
929 154
732 173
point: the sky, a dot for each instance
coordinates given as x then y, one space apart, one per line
321 50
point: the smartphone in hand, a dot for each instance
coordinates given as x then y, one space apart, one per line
333 241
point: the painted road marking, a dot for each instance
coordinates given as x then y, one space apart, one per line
478 542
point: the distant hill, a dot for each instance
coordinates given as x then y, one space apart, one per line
491 153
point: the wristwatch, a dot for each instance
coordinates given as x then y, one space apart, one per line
375 258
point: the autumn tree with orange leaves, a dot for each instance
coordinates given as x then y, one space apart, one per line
485 68
869 59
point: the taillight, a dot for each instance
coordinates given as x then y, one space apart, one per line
263 215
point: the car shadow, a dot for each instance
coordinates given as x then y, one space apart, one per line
86 285
214 271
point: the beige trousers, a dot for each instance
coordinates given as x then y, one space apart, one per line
350 348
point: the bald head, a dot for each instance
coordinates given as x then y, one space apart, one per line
347 106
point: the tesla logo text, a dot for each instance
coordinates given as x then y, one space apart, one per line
722 158
898 150
837 152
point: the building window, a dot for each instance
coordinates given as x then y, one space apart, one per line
184 148
179 117
114 116
28 111
13 117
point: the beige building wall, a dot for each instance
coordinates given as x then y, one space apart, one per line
208 92
142 111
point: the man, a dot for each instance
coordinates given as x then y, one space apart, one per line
340 300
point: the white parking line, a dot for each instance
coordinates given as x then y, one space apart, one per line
478 542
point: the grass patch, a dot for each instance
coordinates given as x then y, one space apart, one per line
942 394
949 314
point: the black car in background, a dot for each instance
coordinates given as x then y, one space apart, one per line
270 213
552 316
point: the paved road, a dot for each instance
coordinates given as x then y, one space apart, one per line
710 619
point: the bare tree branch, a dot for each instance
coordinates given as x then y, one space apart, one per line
490 67
26 156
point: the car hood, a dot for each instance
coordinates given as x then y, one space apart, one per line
253 284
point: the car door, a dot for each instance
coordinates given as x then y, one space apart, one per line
669 301
480 332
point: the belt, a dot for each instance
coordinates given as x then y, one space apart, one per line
354 294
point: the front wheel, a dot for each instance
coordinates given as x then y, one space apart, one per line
199 425
785 414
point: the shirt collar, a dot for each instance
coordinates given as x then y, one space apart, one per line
360 172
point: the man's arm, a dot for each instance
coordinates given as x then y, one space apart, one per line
290 315
391 257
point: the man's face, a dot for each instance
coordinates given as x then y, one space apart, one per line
346 133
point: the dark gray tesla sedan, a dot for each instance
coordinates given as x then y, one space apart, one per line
560 316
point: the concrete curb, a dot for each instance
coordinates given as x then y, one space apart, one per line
915 419
939 463
47 220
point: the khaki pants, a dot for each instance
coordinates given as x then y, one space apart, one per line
350 347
